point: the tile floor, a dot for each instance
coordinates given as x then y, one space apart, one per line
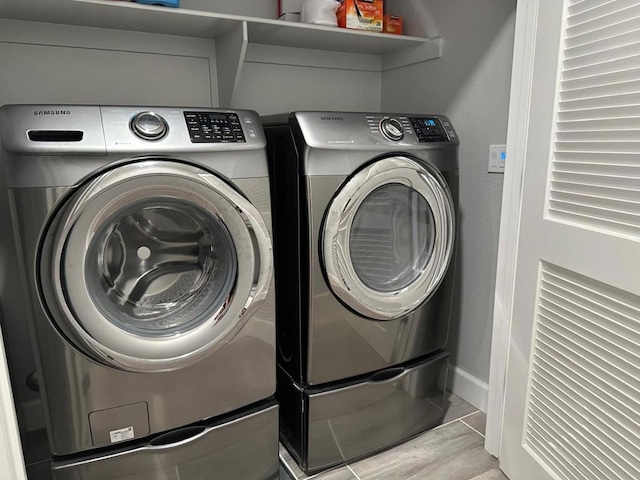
452 451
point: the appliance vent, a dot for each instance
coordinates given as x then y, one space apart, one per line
583 417
595 177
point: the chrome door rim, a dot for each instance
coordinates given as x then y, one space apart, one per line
125 184
340 272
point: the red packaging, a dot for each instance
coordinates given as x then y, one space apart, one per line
361 14
392 24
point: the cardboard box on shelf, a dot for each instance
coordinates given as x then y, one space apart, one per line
392 24
361 14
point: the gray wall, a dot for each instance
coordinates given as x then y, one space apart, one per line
252 8
280 88
470 84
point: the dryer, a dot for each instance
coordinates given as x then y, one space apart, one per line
145 242
365 208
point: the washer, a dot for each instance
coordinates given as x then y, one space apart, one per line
365 227
144 235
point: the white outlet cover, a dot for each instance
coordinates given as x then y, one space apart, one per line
497 158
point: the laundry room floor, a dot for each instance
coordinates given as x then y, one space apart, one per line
451 451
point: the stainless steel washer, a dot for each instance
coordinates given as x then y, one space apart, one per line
145 237
365 208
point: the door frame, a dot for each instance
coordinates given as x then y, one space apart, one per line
517 138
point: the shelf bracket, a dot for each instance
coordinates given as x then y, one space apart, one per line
231 49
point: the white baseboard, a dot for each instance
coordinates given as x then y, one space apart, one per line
468 387
32 415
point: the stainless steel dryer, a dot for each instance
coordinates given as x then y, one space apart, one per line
145 241
364 237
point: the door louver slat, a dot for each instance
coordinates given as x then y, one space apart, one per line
599 10
620 12
628 170
600 91
594 36
583 417
599 125
586 410
598 119
592 454
558 383
577 7
606 192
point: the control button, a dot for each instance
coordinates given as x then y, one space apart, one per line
149 126
391 128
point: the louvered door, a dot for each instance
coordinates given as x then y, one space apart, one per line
572 409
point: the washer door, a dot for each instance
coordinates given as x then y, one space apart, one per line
388 237
155 264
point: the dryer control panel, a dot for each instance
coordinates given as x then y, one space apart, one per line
214 127
429 129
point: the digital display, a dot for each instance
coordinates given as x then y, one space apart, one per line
217 117
430 122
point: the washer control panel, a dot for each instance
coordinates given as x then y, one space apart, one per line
214 127
429 129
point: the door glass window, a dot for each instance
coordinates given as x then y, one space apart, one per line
160 267
391 238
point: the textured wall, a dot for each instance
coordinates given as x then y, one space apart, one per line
470 84
269 88
253 8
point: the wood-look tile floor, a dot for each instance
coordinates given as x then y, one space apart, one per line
451 451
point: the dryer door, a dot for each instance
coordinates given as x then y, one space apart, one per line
154 264
388 237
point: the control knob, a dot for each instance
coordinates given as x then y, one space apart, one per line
149 126
391 128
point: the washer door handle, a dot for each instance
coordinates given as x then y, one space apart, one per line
176 436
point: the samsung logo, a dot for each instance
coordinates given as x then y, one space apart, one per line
332 118
52 112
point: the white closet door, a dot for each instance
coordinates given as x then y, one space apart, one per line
11 460
572 409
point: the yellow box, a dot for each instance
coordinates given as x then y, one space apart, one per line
361 14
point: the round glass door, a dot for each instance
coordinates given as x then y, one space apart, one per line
388 237
392 238
159 268
155 264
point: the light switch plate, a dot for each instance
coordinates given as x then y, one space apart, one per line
497 158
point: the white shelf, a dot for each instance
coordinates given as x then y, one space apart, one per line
232 32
